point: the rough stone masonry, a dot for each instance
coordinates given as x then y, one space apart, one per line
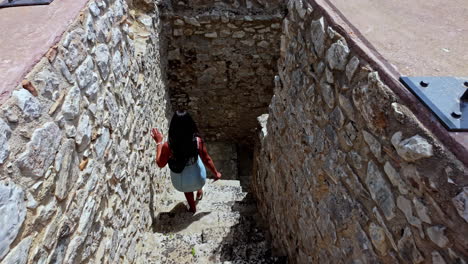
362 180
77 179
344 171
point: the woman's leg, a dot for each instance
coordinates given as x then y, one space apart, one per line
200 194
191 201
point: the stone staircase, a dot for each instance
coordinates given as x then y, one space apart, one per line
224 229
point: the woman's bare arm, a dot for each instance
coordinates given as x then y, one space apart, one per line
207 160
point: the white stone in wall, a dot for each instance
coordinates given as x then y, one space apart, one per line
12 214
352 67
101 142
75 53
395 178
461 203
377 235
19 255
5 134
318 35
337 56
45 212
413 148
379 190
117 64
71 105
84 73
73 249
373 144
40 151
47 82
83 134
116 36
65 169
90 32
60 65
94 9
29 104
436 234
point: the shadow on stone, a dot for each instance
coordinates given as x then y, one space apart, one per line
176 220
246 241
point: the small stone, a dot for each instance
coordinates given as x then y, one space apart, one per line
337 118
405 206
94 9
117 64
70 130
45 212
249 42
101 143
102 56
146 20
19 254
412 149
40 151
318 35
337 56
436 234
84 73
379 190
211 35
377 235
408 250
92 91
177 32
395 178
60 65
12 214
238 34
422 211
373 144
263 44
329 76
29 104
66 169
328 95
10 115
461 203
83 135
116 36
179 22
192 21
351 67
47 83
346 105
75 53
437 258
5 134
71 105
86 219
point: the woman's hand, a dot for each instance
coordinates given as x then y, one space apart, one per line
217 176
156 135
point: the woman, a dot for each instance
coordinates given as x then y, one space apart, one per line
186 153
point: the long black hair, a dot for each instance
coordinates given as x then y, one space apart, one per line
183 133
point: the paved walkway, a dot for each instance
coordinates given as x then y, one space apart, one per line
26 34
419 37
223 230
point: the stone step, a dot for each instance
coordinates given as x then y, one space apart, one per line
224 229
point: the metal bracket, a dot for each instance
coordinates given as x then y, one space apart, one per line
12 3
446 97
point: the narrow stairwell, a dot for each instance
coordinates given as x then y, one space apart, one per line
224 229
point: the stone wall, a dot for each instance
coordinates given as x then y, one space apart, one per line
344 171
221 68
78 182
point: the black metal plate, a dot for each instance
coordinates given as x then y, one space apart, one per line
12 3
443 96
